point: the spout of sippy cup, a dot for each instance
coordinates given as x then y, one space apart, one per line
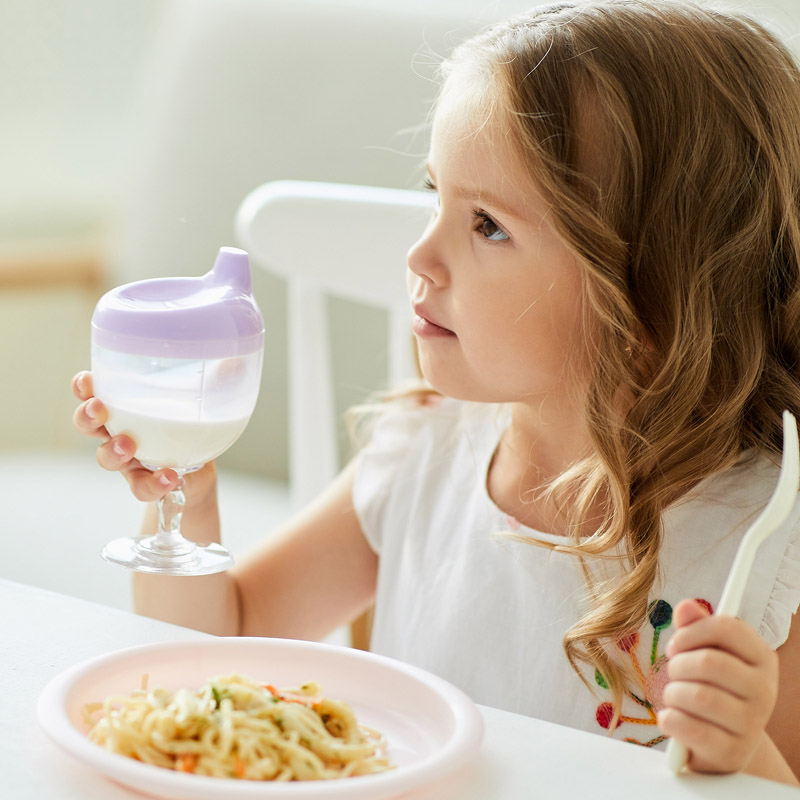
231 268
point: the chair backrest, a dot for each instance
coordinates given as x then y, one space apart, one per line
343 240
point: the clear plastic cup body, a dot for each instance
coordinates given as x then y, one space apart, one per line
181 412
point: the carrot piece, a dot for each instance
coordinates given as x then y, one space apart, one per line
288 697
187 762
238 767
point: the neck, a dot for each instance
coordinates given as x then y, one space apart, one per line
539 445
549 441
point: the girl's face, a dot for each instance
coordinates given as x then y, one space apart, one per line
497 295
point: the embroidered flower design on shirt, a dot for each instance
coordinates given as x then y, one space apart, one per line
652 682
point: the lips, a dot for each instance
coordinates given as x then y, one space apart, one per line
427 325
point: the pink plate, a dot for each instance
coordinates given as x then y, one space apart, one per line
432 728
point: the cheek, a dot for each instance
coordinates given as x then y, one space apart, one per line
540 320
503 352
536 338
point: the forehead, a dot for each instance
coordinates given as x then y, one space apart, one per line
466 117
472 144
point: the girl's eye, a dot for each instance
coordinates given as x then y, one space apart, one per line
488 228
485 225
429 186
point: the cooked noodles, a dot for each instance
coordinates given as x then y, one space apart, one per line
234 727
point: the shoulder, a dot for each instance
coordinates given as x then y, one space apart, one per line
703 532
728 501
419 450
406 425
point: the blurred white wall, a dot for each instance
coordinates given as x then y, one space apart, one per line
68 71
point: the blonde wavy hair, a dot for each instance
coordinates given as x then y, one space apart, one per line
666 138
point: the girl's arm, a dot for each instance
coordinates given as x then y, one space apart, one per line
725 701
306 579
314 574
784 727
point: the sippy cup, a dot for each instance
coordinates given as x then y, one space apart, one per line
177 363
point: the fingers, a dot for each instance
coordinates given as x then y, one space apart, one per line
711 748
731 674
148 486
687 612
117 455
82 386
707 703
725 633
90 416
722 689
145 485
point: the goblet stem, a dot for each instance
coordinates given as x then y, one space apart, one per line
168 539
170 509
167 552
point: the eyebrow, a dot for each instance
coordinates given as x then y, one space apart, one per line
472 193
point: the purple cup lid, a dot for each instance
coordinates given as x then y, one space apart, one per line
214 316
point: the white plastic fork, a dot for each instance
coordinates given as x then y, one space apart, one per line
770 519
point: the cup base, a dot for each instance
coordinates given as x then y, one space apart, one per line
137 553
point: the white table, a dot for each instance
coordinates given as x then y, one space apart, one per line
42 633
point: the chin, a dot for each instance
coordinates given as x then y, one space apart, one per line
456 385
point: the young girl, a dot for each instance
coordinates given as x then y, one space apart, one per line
607 304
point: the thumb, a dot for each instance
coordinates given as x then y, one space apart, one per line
687 612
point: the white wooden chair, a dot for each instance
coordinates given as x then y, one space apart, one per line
344 240
348 241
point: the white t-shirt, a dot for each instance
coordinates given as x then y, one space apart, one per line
488 613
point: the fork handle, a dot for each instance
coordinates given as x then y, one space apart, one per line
677 756
729 604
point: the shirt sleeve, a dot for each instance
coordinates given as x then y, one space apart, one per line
385 463
784 597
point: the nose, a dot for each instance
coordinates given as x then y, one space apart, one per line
426 259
